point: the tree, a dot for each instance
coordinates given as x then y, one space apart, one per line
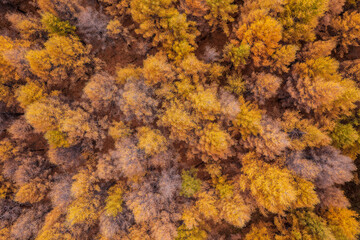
230 106
190 234
29 223
107 169
8 72
92 24
119 130
270 142
214 142
28 26
264 86
116 227
53 227
195 70
169 184
83 210
157 69
248 120
303 92
45 114
190 183
66 9
29 93
6 188
238 55
302 132
197 8
115 7
318 49
101 91
329 167
162 228
333 197
180 36
60 192
235 211
177 118
114 200
137 101
348 30
86 205
300 18
139 232
303 224
128 73
31 192
53 25
10 211
351 69
20 129
283 57
7 150
144 203
343 223
151 141
206 205
301 166
176 34
276 189
78 125
63 60
84 183
128 159
260 231
261 40
344 135
66 158
32 167
56 139
206 103
220 13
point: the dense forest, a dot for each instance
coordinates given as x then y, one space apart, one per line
179 119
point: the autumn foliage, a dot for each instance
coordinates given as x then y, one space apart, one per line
179 119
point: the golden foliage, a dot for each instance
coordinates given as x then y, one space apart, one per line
260 231
197 8
63 58
283 57
206 103
343 223
45 114
302 132
263 36
220 12
300 18
114 200
214 142
151 141
29 93
119 130
348 30
264 86
248 120
157 70
275 189
31 192
180 122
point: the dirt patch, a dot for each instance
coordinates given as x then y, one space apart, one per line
119 54
215 40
